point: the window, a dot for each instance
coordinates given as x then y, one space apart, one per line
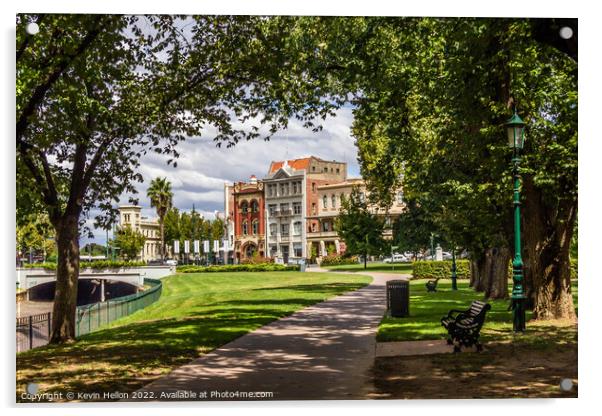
284 207
313 187
245 228
284 229
244 207
273 250
273 229
272 209
324 202
338 170
326 226
297 228
313 168
283 189
126 217
313 208
333 200
326 169
254 207
296 208
255 226
297 250
399 197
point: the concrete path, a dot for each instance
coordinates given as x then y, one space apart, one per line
324 351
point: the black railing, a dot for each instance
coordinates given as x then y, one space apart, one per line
34 331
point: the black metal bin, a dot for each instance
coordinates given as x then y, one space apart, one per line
398 298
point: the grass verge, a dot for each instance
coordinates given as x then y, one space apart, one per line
398 268
196 314
426 310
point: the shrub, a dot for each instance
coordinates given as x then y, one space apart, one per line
96 265
257 259
440 269
263 267
335 260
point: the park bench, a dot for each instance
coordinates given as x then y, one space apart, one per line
431 285
464 327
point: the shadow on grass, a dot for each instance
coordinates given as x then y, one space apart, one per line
127 357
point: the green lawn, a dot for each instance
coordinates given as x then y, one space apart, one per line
196 313
426 310
401 268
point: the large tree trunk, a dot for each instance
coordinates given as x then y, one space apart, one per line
67 273
489 273
496 286
548 229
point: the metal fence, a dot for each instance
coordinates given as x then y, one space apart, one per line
91 317
34 331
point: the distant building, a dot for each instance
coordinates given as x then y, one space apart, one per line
245 219
324 237
291 195
130 215
291 212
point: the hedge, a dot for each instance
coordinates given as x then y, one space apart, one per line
334 260
96 265
440 269
264 267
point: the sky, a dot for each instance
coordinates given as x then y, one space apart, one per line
203 168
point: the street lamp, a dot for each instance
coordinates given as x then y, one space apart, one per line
454 276
516 139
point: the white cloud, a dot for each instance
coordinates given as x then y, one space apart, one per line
203 168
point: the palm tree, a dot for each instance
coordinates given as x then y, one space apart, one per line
160 195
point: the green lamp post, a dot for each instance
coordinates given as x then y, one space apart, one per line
454 276
516 139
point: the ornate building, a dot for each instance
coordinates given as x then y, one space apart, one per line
245 222
324 239
291 194
130 215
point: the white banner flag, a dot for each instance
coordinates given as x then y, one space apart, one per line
226 246
186 246
206 246
176 247
215 246
196 246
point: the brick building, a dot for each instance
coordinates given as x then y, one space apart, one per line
245 219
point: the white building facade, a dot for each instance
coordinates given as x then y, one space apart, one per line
285 215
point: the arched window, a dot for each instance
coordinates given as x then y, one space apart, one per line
245 228
333 198
254 206
255 226
324 202
244 207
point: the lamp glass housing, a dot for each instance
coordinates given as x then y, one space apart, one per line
516 132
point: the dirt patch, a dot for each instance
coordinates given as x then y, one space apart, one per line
504 370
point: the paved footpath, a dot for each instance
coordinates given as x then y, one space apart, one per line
324 351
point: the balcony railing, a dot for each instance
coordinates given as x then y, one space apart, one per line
284 213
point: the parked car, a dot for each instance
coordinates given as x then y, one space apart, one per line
396 258
171 262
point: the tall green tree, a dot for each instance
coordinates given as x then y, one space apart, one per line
160 194
95 93
130 242
361 229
